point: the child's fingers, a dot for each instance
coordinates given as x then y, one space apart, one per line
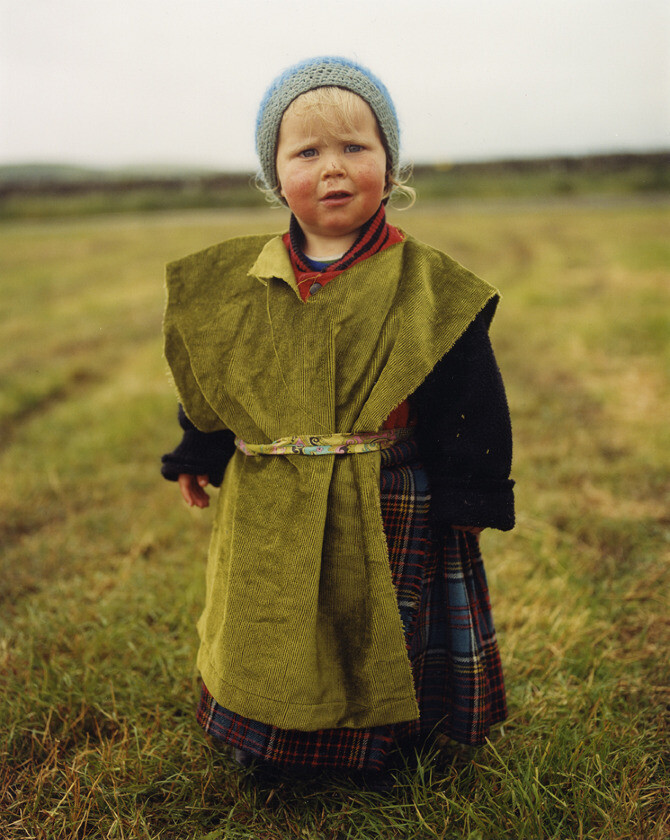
191 488
200 498
184 482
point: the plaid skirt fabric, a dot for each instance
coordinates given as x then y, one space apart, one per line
444 607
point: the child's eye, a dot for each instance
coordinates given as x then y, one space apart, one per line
354 147
307 153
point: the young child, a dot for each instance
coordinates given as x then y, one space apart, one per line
339 384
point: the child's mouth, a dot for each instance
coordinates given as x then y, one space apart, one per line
335 197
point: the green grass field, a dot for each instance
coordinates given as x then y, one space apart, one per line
103 566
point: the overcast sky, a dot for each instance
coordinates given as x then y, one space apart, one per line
115 82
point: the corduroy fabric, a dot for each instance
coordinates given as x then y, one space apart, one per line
328 71
444 607
301 627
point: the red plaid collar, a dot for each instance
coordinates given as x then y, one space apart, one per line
375 235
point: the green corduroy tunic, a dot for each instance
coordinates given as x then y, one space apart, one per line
301 628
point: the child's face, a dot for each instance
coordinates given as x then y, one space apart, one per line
333 176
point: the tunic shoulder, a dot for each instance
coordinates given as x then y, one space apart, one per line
440 267
225 252
202 273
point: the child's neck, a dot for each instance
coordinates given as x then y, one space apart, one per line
327 246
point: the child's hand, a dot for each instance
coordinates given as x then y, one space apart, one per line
471 529
191 487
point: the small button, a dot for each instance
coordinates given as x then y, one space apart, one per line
314 288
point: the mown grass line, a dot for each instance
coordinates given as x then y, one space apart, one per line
102 567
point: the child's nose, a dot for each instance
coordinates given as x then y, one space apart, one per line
333 166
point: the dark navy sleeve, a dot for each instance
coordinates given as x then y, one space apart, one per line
199 453
465 434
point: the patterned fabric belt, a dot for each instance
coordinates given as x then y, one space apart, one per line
336 444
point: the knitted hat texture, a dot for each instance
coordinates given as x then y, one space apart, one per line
328 71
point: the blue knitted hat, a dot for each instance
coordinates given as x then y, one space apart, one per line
328 71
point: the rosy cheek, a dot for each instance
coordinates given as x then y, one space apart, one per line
297 188
301 188
291 180
371 176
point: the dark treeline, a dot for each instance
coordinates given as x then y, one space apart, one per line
69 181
52 183
587 164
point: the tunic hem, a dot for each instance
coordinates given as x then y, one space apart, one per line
306 718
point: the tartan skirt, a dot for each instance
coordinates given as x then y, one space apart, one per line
444 606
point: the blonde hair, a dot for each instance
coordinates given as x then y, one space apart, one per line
335 107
